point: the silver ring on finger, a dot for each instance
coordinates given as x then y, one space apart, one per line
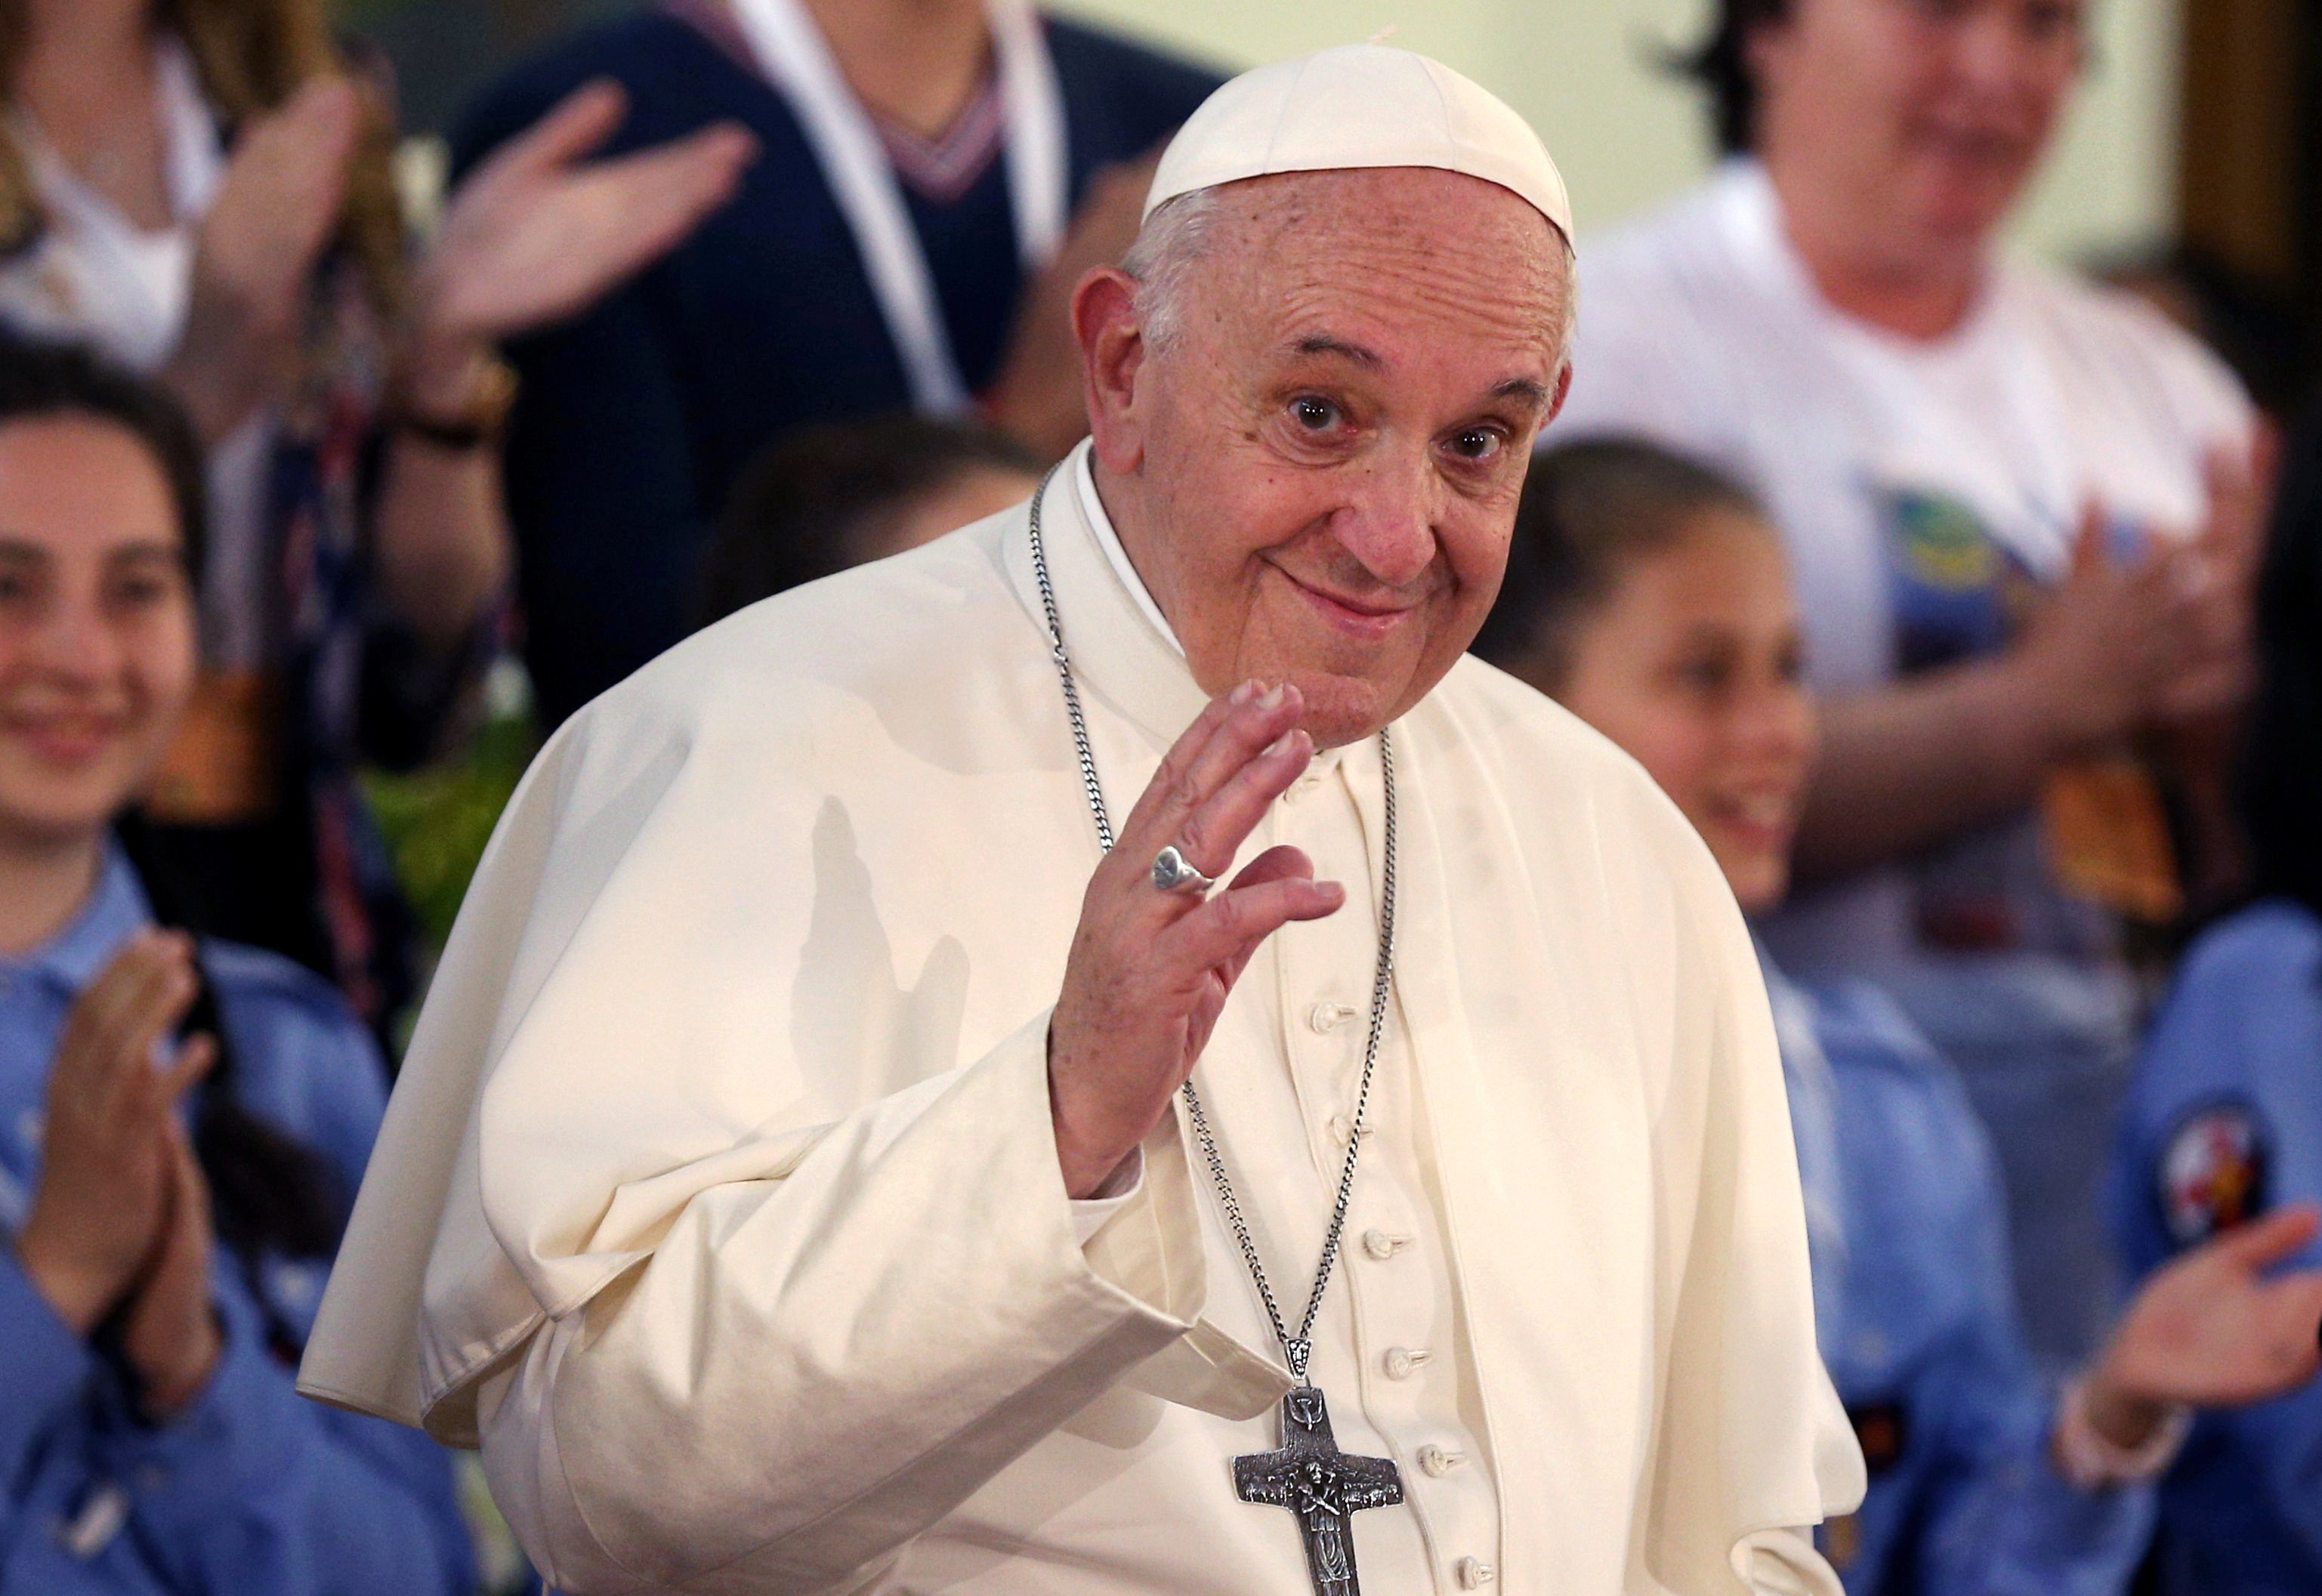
1173 872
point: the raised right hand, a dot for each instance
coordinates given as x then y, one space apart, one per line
106 1167
1150 971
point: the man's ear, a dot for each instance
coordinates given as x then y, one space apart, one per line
1112 353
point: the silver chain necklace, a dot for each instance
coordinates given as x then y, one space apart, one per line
1297 1348
1322 1487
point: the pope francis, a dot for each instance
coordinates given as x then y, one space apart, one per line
1103 1056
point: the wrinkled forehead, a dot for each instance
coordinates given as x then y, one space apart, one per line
1408 254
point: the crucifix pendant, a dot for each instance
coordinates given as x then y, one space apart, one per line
1322 1485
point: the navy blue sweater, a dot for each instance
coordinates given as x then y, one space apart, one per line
634 418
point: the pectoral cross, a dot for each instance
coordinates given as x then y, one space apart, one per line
1322 1485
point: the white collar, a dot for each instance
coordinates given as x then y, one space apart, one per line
1107 539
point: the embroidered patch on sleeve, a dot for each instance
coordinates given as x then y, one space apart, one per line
2213 1171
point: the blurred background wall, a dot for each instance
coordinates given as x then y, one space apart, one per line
1585 71
1588 75
2197 135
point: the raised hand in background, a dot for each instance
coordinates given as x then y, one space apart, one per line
256 252
2214 1329
539 233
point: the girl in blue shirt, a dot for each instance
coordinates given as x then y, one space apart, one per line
2223 1125
1649 596
182 1122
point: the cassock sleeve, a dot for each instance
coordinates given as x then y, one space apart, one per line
786 1302
1754 1448
807 1371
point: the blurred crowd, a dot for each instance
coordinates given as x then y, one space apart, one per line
1970 610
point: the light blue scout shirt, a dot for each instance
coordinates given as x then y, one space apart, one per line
2224 1123
252 1490
1915 1308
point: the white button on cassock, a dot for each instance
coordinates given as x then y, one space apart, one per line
1474 1573
1402 1362
1438 1462
1315 1000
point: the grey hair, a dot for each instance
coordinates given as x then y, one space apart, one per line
1571 328
1173 240
1176 237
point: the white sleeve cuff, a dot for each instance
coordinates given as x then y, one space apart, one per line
1119 1190
1784 1562
2092 1463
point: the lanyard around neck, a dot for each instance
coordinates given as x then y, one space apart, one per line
797 59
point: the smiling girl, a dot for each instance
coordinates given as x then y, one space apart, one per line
181 1120
2021 511
1650 597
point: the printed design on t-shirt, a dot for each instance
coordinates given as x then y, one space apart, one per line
2098 847
2214 1171
1956 591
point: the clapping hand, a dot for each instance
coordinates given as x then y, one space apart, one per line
106 1172
170 1334
259 243
2160 638
2216 573
2100 645
1150 969
2213 1330
534 235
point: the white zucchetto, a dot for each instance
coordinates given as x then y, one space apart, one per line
1356 107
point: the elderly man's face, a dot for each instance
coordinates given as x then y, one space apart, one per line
1316 473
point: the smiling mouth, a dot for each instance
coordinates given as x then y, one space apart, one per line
1976 147
69 741
1349 616
1766 820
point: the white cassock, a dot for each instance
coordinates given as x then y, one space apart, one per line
753 1268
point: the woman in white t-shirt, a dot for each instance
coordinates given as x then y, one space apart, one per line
2021 511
